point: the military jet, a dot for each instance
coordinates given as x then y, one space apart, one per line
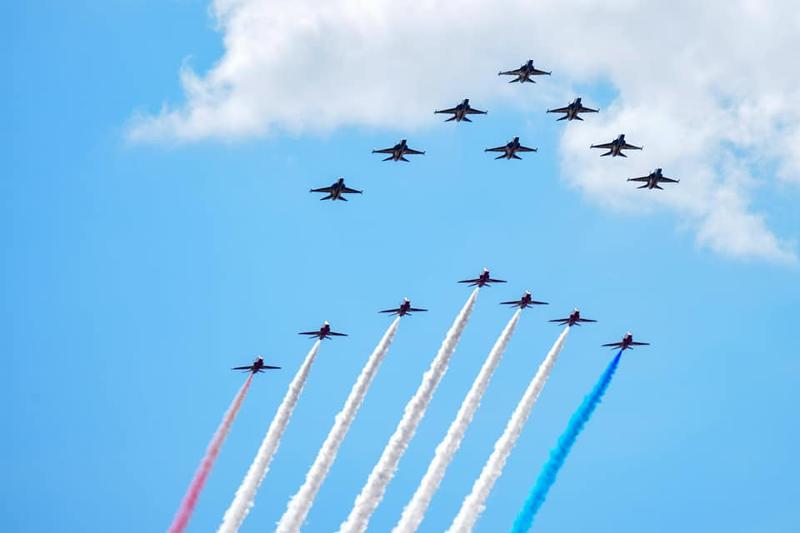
616 147
574 319
652 180
335 191
323 333
461 111
510 150
257 366
483 280
404 309
524 73
571 111
627 343
398 151
526 301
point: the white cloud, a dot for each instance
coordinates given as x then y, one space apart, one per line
710 88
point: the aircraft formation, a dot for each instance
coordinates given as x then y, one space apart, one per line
461 113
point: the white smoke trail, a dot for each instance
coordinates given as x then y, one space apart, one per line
300 504
372 492
416 508
246 494
475 502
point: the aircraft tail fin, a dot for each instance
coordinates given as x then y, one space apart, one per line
388 158
642 187
327 197
607 153
515 156
565 117
403 159
451 119
621 154
466 119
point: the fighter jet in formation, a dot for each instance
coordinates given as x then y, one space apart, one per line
323 333
627 343
574 319
257 366
526 301
571 111
509 151
652 180
335 191
524 73
461 111
483 280
404 309
616 147
398 151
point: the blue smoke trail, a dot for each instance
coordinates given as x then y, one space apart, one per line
559 454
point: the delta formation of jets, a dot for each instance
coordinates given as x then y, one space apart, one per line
483 280
461 113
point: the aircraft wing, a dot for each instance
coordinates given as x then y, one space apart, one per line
476 280
391 310
322 189
605 146
412 152
526 149
515 72
451 110
586 320
643 179
640 344
564 320
667 180
512 302
472 111
490 280
337 334
248 367
588 110
559 110
270 367
416 310
315 333
534 302
538 72
496 149
384 151
351 191
614 344
631 147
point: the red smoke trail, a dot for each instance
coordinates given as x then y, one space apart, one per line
190 499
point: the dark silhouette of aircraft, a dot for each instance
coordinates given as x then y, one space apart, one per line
404 309
483 280
398 151
461 111
524 73
616 147
526 301
510 150
627 343
571 111
257 366
652 180
335 191
323 333
574 319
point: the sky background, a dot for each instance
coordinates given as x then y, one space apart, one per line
137 270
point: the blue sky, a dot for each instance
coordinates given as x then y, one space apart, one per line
136 274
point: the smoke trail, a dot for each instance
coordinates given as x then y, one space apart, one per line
245 496
559 454
372 492
184 513
474 504
297 510
415 510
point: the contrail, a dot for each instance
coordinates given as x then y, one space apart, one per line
474 504
416 508
372 492
184 513
244 499
300 504
559 454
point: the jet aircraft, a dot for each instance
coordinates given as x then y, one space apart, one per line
461 111
526 301
336 191
404 309
323 333
510 150
652 180
574 319
627 343
398 151
524 73
257 366
571 111
616 147
483 280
